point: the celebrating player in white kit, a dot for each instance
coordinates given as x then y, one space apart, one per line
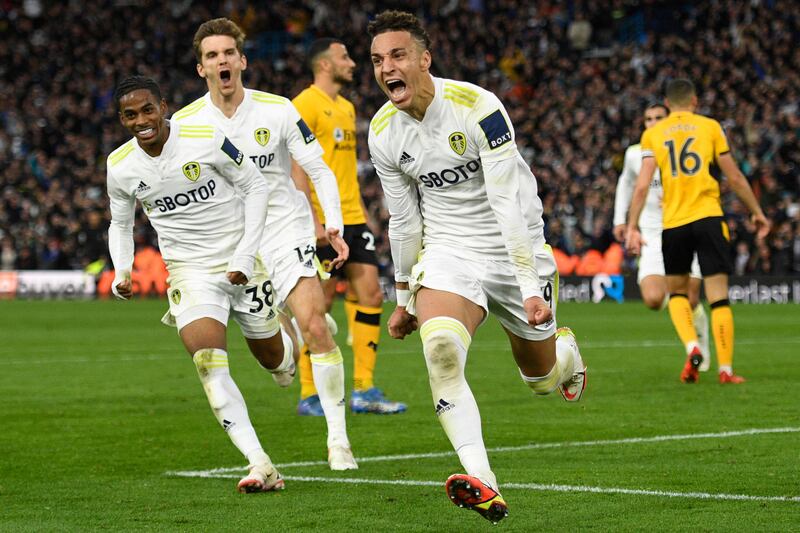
270 131
650 277
208 204
467 238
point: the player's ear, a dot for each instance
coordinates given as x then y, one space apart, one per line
425 60
201 71
244 62
163 107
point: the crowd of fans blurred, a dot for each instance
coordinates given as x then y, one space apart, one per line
575 77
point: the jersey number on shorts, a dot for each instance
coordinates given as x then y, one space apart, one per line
688 162
367 236
547 294
303 256
266 290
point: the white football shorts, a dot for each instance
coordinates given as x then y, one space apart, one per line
490 284
651 260
195 295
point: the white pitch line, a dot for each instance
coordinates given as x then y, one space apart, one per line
503 449
539 487
37 359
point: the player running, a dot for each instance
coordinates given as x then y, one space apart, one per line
269 130
650 275
466 235
190 181
332 118
683 146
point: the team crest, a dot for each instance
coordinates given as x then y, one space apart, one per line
175 296
262 136
191 170
458 142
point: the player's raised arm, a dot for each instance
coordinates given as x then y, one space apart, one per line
120 237
244 175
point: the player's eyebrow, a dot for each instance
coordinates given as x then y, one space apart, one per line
392 51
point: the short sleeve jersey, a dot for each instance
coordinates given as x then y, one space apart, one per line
334 124
270 132
442 156
685 145
187 192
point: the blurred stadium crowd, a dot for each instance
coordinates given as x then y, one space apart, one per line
575 77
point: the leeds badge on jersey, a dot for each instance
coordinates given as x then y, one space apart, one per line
458 142
262 136
191 170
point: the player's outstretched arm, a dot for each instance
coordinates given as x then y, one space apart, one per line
742 189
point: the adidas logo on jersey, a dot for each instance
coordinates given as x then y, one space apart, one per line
442 407
227 424
406 159
143 187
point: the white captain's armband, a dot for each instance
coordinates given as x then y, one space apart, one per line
305 131
496 129
232 152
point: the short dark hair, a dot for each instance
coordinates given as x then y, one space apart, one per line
134 83
220 26
319 47
680 91
655 105
391 20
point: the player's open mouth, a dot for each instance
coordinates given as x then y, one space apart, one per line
225 76
397 89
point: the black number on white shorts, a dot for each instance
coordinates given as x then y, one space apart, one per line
547 294
268 298
301 254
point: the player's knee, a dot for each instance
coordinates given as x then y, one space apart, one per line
441 352
316 330
653 301
372 298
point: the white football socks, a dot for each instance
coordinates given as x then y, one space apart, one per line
445 342
328 371
227 403
700 319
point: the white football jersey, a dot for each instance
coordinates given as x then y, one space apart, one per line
270 131
651 213
192 193
455 179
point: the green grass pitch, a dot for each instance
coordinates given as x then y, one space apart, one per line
101 406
